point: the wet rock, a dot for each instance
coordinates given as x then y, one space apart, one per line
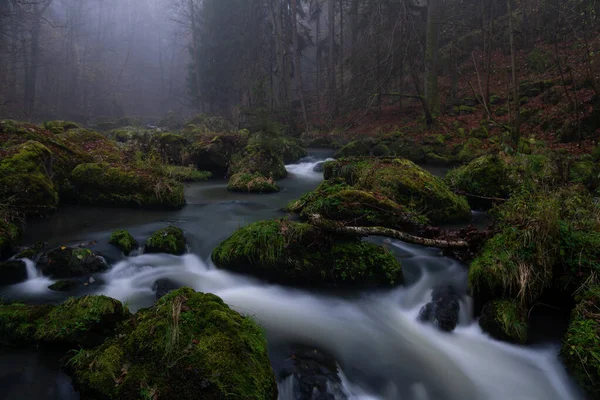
169 240
12 272
506 320
69 262
32 253
123 240
162 287
66 285
319 167
443 310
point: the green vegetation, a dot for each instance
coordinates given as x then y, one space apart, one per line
485 176
251 183
353 149
403 182
168 240
123 240
58 127
19 322
67 262
188 346
259 160
505 320
301 254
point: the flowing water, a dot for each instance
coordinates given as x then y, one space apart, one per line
373 337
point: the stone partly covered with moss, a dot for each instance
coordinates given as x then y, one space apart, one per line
186 174
472 149
169 240
12 272
25 180
291 151
258 159
214 152
85 321
405 183
188 346
171 147
251 183
123 240
336 200
66 285
58 127
581 345
300 254
117 185
19 322
93 144
353 149
486 176
505 320
68 262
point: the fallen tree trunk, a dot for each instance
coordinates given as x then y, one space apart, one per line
338 227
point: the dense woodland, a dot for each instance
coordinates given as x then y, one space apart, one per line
126 103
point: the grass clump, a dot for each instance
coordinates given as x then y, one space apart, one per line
251 183
505 319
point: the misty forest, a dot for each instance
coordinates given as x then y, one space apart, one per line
300 199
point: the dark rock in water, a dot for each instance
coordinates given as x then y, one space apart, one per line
68 262
505 320
443 310
319 167
164 286
316 375
12 272
33 253
65 285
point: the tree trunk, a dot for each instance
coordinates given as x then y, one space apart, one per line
431 56
318 58
331 66
297 61
516 134
337 227
342 46
195 51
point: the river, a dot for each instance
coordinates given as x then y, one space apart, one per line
382 352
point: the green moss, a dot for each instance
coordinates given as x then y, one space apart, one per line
581 345
480 132
403 182
256 159
495 99
112 185
584 171
171 147
300 254
501 112
188 346
466 110
58 127
291 151
64 285
86 321
123 241
19 322
168 240
251 183
186 174
381 150
67 262
93 144
214 152
505 320
472 149
9 235
484 176
353 149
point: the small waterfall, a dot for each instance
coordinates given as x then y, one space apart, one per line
32 271
286 388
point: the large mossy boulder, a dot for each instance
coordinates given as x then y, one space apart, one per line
169 240
353 149
19 322
25 178
472 149
12 272
486 176
251 183
188 346
171 147
581 345
93 144
259 159
506 320
336 200
300 254
291 151
214 153
122 186
69 262
85 321
405 183
58 127
123 241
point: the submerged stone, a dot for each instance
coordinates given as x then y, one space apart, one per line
12 272
188 346
443 310
295 253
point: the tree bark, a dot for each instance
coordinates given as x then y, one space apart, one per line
338 227
297 61
431 56
195 51
331 67
516 134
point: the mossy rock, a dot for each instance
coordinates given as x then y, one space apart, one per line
188 346
580 351
66 285
505 320
169 240
68 262
472 149
405 183
171 147
495 99
19 322
584 171
85 321
257 159
501 112
25 182
353 149
185 174
93 144
251 183
486 176
463 110
211 124
291 151
123 240
381 150
58 127
214 153
480 132
336 200
296 253
12 272
118 185
320 143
